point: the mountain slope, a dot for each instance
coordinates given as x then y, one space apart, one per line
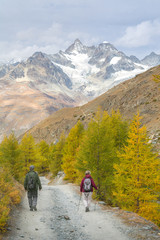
138 94
29 92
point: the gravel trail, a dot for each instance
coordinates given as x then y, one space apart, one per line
61 217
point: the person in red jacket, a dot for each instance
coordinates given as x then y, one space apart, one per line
86 188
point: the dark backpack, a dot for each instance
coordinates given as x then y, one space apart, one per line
87 185
31 182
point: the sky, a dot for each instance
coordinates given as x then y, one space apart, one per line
132 26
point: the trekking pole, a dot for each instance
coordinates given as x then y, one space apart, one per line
95 202
95 206
79 201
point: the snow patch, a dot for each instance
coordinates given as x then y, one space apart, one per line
82 69
145 67
102 60
25 78
124 75
115 60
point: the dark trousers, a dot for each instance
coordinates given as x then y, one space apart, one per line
32 198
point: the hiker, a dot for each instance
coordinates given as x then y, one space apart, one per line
86 188
31 185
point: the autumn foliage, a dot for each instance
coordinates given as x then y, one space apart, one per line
121 160
9 195
137 175
15 159
118 154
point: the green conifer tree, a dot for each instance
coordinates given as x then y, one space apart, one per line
70 149
30 154
42 164
56 155
98 148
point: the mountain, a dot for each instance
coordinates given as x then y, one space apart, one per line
96 69
30 91
152 59
33 89
140 93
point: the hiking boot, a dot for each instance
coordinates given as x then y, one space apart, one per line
35 209
87 209
31 209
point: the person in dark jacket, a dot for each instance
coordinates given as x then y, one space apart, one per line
87 194
31 185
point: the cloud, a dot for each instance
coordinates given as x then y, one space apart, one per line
140 35
41 36
56 34
49 40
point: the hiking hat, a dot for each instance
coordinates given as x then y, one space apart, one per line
87 172
31 167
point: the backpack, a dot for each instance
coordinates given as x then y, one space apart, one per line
87 185
31 182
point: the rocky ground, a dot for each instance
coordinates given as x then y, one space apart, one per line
61 216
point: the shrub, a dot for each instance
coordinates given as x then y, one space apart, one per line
9 196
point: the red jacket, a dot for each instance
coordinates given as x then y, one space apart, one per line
92 182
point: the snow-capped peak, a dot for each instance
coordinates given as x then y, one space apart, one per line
95 69
105 42
76 47
105 46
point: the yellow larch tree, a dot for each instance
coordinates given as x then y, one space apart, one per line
137 176
10 155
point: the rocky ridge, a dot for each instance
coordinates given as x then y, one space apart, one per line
152 59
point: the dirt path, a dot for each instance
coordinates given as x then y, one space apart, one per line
60 217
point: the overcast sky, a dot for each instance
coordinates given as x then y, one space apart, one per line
26 26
